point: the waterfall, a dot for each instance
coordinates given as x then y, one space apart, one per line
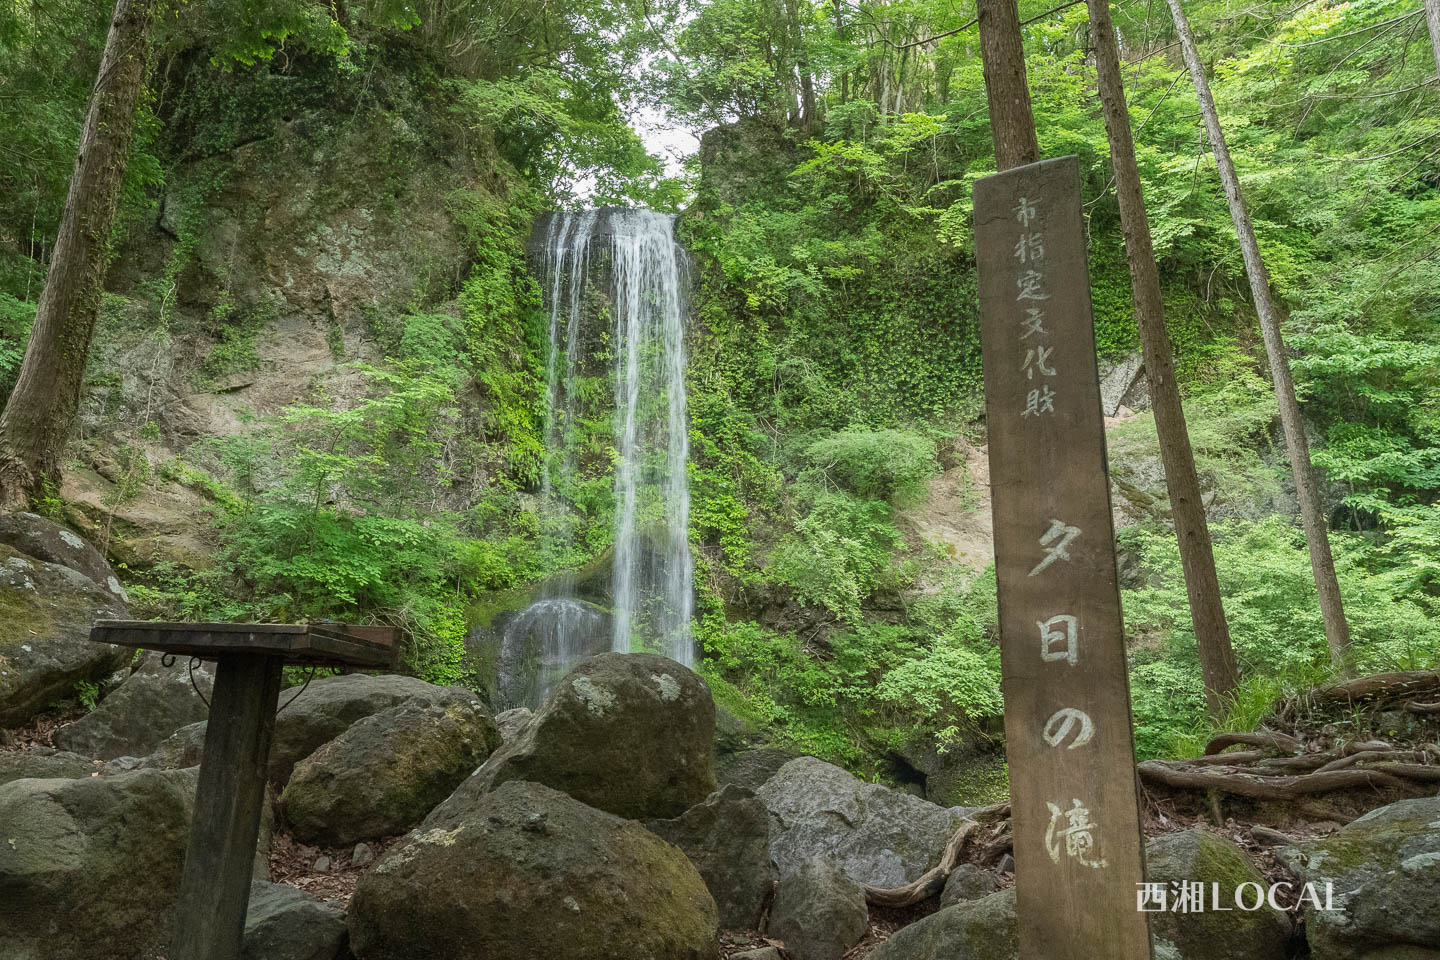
653 566
616 276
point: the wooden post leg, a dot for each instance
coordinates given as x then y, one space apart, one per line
215 885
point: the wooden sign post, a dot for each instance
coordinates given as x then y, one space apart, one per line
1073 790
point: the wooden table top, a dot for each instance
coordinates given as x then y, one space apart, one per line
330 644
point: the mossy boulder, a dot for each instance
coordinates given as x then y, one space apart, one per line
728 839
146 708
46 540
1384 873
90 867
528 873
387 771
628 733
1209 934
45 648
984 929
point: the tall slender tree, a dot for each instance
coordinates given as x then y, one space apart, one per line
1197 558
1432 17
1322 564
1002 58
41 409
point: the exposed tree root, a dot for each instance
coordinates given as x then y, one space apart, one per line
1380 685
933 880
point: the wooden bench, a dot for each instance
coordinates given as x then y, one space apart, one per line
249 658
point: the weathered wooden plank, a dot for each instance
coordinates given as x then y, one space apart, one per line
1073 788
336 644
215 883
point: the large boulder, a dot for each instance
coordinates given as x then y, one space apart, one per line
328 706
528 873
1208 934
43 764
751 768
46 540
285 923
137 716
984 929
90 867
819 912
728 839
45 648
1384 875
387 771
629 733
878 836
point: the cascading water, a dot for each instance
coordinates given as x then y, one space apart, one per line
626 263
653 566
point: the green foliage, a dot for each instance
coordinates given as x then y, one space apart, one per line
888 465
88 693
839 555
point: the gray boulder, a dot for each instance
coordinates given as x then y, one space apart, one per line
511 722
968 882
751 768
284 923
1384 871
183 748
727 838
43 764
984 928
45 650
137 716
46 540
628 733
528 873
387 771
1207 934
818 912
91 861
878 836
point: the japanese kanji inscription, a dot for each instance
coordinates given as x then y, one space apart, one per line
1075 810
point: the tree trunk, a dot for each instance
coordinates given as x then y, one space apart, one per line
1002 57
1212 636
1337 631
41 409
1432 17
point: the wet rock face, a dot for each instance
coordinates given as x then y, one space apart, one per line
878 836
528 873
628 733
146 708
45 648
727 838
387 771
1384 869
90 867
